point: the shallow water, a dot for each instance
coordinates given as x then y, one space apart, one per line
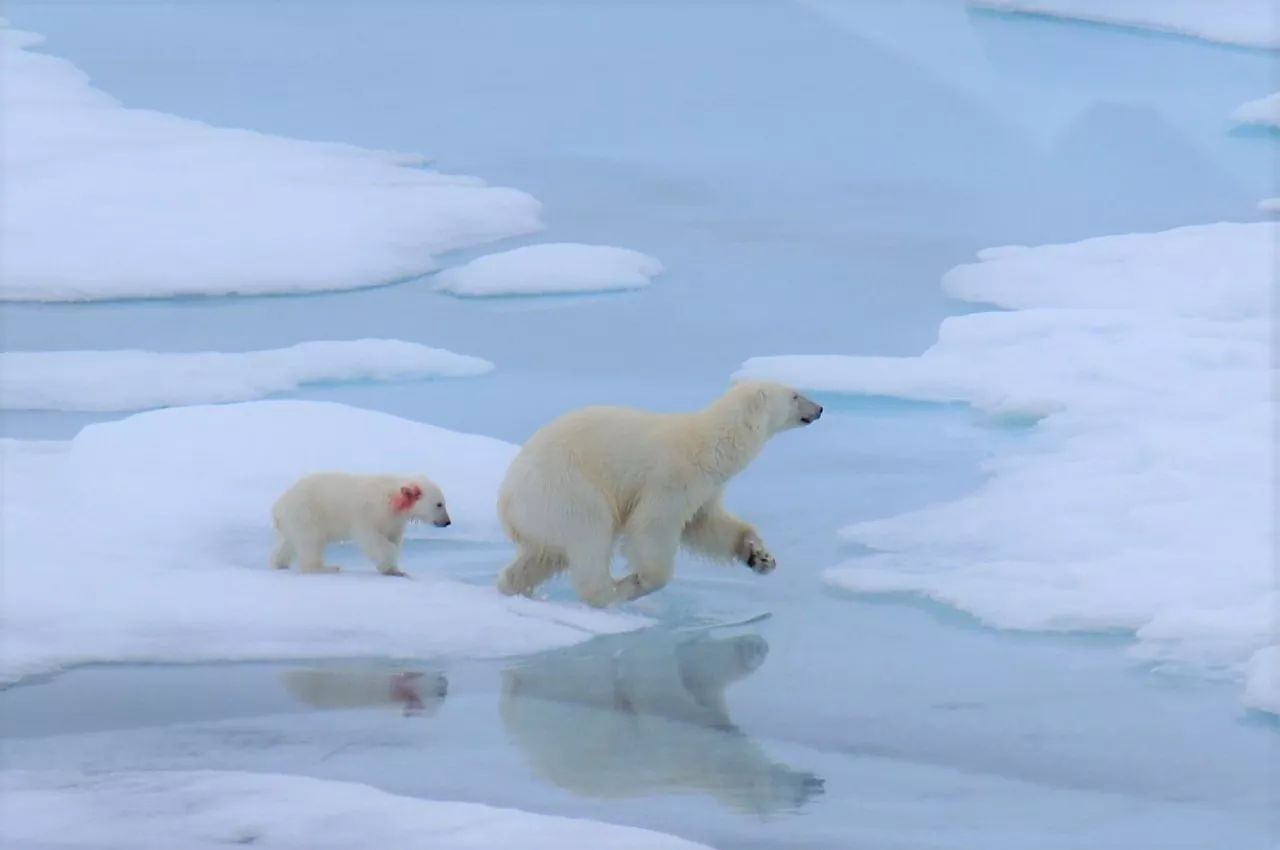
807 172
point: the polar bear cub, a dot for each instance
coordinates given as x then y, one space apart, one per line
372 510
653 480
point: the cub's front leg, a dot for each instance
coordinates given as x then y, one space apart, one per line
383 551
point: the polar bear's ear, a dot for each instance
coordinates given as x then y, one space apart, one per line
409 493
758 407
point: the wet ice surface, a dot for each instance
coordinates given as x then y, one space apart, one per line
789 221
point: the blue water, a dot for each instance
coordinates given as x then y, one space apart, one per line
807 172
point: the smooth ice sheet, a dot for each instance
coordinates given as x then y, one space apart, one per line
212 810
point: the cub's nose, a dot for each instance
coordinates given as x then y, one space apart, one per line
819 413
443 523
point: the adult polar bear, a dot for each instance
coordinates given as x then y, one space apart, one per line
655 480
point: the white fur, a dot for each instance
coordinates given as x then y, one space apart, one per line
654 480
332 506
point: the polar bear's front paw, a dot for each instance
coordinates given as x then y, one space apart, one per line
755 556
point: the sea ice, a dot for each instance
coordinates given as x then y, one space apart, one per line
1265 111
148 539
1251 23
102 202
213 810
553 268
1141 498
136 380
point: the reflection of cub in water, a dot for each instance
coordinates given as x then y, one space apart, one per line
416 693
624 717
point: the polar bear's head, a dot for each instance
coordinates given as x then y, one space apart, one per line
776 407
421 500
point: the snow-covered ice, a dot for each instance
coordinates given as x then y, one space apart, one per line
1264 112
553 268
1141 499
1251 23
211 810
136 380
148 539
102 202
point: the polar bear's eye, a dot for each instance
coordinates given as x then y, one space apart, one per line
795 396
439 504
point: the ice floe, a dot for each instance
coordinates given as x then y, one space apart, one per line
1141 498
554 268
148 539
136 380
102 201
1250 23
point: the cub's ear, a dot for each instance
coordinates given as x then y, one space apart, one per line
410 494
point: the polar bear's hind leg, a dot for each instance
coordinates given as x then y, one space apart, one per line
283 554
532 566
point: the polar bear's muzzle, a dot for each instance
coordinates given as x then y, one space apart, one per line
810 411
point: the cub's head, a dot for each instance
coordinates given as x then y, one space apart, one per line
421 500
777 407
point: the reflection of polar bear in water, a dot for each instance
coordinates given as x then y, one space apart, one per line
416 693
622 717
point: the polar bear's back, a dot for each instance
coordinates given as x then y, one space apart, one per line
588 460
333 500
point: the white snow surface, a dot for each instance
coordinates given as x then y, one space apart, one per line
1141 498
213 810
1264 112
552 268
147 539
102 201
1250 23
136 380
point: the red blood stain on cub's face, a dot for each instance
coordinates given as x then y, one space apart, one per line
408 496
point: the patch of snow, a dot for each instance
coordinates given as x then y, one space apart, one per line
1265 111
1141 499
148 539
136 380
213 810
553 268
1250 23
105 202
